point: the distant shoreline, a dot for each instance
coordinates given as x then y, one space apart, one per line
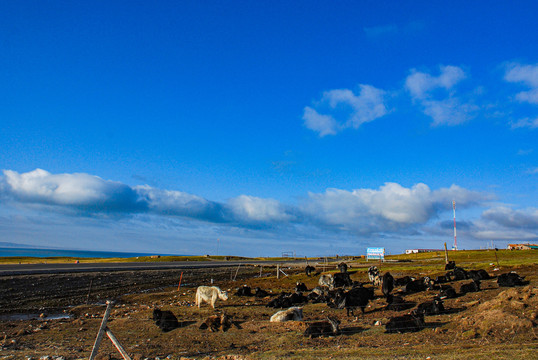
46 253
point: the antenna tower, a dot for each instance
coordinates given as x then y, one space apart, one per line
455 239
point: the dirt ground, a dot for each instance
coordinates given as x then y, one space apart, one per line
495 323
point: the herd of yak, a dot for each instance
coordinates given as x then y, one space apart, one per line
339 291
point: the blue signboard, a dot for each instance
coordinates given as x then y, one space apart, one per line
375 253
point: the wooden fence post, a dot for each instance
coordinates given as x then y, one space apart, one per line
89 291
103 329
180 278
237 271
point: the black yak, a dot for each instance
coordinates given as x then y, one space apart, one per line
397 303
352 299
165 320
434 307
387 284
327 327
511 279
300 287
244 291
473 286
405 323
342 280
447 292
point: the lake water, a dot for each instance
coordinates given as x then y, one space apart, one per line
42 253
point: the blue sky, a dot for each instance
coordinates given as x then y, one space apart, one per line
317 127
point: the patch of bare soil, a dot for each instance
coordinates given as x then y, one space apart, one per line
510 314
495 323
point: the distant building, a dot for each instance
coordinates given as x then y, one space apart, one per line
522 247
416 251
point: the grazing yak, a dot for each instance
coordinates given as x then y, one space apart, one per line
165 320
300 287
342 267
293 313
441 279
457 274
209 294
414 286
387 284
328 327
259 293
319 295
397 303
326 280
473 286
373 275
478 274
450 265
447 292
405 323
429 283
309 270
286 300
244 291
217 322
511 279
352 299
434 307
403 281
342 280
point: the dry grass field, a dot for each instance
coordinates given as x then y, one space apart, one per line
495 323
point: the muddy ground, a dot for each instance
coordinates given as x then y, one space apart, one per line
495 323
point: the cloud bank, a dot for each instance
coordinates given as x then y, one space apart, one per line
392 207
389 214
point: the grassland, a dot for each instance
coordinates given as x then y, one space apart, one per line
495 323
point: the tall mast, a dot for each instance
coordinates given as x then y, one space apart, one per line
455 239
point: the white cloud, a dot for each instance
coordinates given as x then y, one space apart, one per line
523 152
510 218
525 123
177 203
444 108
506 223
323 124
345 110
449 111
92 194
500 234
420 84
77 190
391 207
251 208
525 74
